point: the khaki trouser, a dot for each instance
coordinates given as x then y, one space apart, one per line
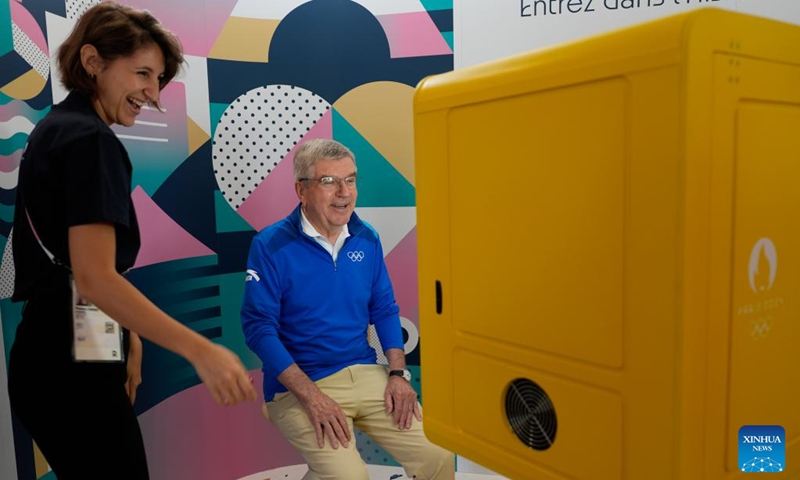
359 391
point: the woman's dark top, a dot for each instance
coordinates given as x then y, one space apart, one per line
74 171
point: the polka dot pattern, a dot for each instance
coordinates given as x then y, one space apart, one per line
30 52
76 8
375 343
7 271
256 132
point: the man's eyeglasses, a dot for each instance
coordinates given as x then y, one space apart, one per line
330 182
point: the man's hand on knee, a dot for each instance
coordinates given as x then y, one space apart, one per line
401 401
328 419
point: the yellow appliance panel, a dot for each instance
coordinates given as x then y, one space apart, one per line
765 331
589 420
559 156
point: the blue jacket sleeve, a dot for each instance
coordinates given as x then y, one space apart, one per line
261 309
383 310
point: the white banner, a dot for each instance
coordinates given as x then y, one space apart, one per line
486 30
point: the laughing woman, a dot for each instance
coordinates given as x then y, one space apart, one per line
75 233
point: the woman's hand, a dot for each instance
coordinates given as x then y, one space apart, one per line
223 373
134 366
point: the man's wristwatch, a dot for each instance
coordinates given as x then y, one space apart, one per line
405 374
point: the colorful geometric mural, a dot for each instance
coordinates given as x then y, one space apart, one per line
215 167
26 57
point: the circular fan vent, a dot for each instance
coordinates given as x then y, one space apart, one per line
531 414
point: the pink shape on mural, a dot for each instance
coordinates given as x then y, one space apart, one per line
20 108
402 265
188 436
25 21
197 24
162 239
413 35
9 163
274 198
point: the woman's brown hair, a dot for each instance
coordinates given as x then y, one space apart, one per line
116 31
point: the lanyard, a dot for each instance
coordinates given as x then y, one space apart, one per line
41 244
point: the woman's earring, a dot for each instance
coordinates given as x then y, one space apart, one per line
91 75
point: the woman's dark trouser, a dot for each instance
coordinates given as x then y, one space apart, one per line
79 414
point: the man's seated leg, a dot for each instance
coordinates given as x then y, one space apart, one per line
265 413
421 459
327 463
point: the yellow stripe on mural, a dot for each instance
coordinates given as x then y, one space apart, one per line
244 39
25 86
197 137
382 114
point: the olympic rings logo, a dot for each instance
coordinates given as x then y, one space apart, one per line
355 256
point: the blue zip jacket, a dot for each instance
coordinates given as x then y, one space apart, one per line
302 307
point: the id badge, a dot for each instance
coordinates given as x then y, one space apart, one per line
96 337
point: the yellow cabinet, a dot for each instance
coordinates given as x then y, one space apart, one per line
614 224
